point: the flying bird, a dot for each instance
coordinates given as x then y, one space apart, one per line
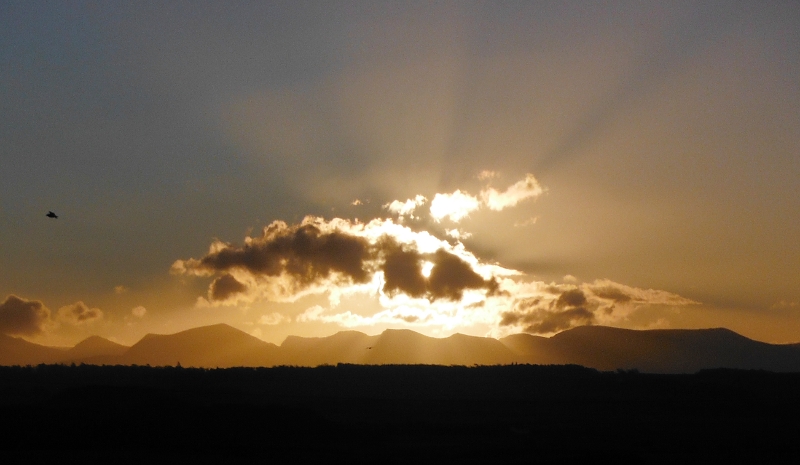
51 215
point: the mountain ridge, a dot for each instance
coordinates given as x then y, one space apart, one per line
600 347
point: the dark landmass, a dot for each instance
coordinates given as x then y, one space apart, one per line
598 347
396 414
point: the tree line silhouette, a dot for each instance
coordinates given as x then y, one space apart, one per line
396 413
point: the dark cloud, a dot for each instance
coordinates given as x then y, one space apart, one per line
303 252
20 317
611 293
402 270
571 298
538 316
78 313
311 253
451 275
550 322
225 286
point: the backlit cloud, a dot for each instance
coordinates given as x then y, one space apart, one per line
459 204
551 308
21 317
403 209
319 256
273 318
411 276
453 206
78 314
519 191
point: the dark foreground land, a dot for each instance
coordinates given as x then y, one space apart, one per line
396 414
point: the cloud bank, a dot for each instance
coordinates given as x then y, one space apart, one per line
415 277
316 256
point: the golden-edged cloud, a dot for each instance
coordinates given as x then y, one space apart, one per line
412 276
550 308
459 204
318 256
517 192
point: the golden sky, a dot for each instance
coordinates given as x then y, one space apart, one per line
476 167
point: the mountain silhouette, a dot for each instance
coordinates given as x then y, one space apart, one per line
598 347
342 347
655 351
16 351
403 346
95 350
208 346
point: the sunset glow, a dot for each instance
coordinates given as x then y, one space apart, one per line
483 168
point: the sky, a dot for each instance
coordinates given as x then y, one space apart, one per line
485 168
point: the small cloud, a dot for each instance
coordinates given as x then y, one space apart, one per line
517 192
403 209
488 174
457 234
311 314
569 279
528 222
139 311
78 313
120 289
356 202
273 318
21 317
455 206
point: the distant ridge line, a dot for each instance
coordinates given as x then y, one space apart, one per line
598 347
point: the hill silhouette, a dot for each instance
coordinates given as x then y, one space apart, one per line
95 350
217 345
656 351
597 347
16 351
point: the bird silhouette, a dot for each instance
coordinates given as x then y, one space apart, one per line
51 215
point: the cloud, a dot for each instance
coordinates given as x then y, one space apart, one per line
338 256
607 290
310 314
459 204
304 252
139 312
403 209
517 192
224 287
273 318
20 317
528 222
455 206
413 276
120 289
552 308
78 313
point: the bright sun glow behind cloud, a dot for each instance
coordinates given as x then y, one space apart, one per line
412 277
